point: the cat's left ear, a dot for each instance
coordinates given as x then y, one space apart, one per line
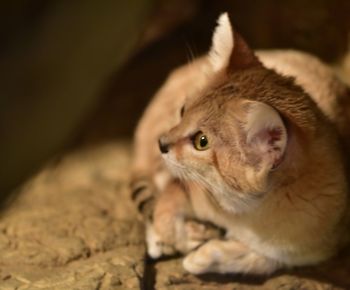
265 132
229 51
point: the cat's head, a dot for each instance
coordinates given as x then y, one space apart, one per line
231 138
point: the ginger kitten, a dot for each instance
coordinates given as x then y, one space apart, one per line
250 143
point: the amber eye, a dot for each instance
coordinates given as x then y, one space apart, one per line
200 141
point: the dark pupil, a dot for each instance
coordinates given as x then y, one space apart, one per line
203 141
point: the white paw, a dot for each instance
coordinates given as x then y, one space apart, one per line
153 241
195 234
156 247
196 263
205 259
182 236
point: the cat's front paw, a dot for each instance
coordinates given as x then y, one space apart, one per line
156 246
171 238
178 236
197 233
202 260
228 256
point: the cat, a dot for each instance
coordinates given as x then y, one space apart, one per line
253 143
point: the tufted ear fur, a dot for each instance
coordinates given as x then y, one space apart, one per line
229 51
266 134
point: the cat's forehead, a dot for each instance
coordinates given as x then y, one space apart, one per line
225 91
208 105
212 98
221 87
257 84
214 111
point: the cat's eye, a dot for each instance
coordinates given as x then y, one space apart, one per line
200 141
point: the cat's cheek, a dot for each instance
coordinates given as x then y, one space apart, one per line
257 181
169 159
185 155
175 168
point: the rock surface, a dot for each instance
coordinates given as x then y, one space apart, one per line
170 275
74 227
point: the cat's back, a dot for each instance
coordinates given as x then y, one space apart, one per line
317 79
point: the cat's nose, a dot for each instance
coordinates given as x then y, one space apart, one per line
163 145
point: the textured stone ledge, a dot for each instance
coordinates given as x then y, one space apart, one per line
73 227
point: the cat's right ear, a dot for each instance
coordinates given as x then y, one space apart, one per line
229 51
266 134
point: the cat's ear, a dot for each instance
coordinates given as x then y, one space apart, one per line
229 51
266 134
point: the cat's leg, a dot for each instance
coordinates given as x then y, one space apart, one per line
143 195
228 256
172 228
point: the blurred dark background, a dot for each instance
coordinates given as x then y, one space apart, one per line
79 73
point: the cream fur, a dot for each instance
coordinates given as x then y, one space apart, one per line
293 226
222 44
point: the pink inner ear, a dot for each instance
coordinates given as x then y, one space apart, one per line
267 141
270 136
274 135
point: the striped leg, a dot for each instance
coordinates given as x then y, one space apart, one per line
143 194
173 228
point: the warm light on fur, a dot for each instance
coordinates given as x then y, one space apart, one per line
222 44
273 174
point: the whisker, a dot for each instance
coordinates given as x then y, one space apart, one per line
190 53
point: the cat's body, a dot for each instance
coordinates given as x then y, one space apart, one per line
273 174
